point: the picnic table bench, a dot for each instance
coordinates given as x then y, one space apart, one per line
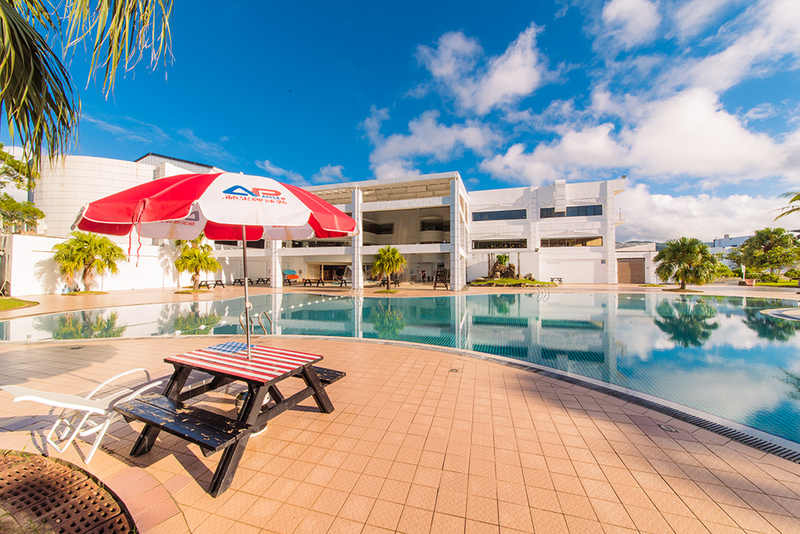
240 281
265 280
211 284
309 281
556 279
213 432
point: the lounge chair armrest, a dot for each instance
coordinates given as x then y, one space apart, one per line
113 378
131 394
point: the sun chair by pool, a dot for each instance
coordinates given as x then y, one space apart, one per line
82 416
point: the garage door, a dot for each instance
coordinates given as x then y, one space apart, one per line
630 271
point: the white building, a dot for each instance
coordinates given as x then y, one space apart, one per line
561 230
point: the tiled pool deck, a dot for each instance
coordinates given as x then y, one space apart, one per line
421 441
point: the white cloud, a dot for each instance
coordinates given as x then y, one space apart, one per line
691 134
372 124
631 22
759 37
129 129
277 172
209 149
397 168
661 217
507 78
329 174
454 57
695 15
572 156
688 134
427 138
762 111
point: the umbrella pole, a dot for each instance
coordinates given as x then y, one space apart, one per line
247 305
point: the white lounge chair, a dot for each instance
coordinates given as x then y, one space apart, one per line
93 415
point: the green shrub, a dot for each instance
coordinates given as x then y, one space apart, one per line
792 273
723 271
769 277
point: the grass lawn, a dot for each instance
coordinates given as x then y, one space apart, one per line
782 283
10 303
190 291
387 291
80 293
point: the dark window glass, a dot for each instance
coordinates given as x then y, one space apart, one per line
505 215
572 211
573 242
250 244
500 243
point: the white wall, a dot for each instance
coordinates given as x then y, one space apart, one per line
76 180
33 271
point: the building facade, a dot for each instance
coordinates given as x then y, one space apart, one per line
557 231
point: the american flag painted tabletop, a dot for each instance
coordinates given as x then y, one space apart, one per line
267 363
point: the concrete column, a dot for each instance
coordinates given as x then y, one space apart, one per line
277 303
357 242
456 237
275 270
610 234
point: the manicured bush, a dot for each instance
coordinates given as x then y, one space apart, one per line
792 273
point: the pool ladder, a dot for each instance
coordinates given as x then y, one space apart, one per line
242 317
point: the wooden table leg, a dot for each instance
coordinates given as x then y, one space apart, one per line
149 433
226 469
320 395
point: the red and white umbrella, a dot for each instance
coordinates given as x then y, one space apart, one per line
226 206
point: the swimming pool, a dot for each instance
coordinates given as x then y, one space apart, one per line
719 355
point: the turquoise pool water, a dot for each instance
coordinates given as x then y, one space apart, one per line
719 355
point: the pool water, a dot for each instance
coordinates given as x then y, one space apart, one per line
719 355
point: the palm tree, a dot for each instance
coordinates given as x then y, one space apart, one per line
388 261
769 248
197 259
686 260
88 254
36 92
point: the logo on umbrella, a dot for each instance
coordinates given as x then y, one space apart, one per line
257 194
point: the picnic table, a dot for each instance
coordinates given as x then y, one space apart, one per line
265 280
213 432
342 282
211 284
309 281
556 279
240 281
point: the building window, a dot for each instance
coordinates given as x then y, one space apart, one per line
505 215
379 228
250 244
572 211
500 243
573 242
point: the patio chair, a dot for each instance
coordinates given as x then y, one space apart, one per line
82 416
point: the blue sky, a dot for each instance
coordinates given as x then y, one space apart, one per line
696 101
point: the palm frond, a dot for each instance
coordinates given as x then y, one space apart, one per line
35 89
122 29
794 198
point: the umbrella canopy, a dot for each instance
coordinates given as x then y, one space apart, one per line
180 207
226 206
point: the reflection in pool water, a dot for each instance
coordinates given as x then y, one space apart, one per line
715 354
